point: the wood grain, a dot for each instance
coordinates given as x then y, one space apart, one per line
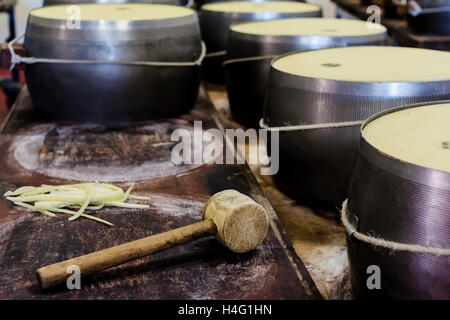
200 269
89 264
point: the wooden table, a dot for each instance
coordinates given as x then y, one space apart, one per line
398 29
36 151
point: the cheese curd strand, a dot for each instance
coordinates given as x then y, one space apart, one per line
48 199
26 205
51 214
59 207
90 190
127 193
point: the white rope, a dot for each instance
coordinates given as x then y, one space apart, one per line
249 59
379 242
215 54
16 59
415 9
263 125
435 10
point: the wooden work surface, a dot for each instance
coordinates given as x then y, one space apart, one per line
36 152
318 237
398 28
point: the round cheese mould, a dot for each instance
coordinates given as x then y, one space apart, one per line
111 34
252 46
336 85
400 192
215 19
76 2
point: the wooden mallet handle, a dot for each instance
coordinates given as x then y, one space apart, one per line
237 221
56 274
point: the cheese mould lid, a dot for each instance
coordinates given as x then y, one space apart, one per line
267 6
368 64
310 26
418 135
114 12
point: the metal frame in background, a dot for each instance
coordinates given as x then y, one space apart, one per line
11 86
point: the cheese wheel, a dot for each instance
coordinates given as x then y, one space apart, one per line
117 33
310 26
267 6
369 64
114 12
419 135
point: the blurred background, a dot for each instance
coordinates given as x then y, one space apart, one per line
24 6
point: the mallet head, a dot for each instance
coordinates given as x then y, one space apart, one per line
241 223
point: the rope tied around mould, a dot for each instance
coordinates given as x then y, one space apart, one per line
215 54
16 59
379 242
249 59
263 125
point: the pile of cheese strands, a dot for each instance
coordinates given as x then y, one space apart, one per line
74 199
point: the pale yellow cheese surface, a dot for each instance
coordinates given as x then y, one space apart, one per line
369 64
309 26
417 135
113 12
267 6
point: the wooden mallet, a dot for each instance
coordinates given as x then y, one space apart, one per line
238 222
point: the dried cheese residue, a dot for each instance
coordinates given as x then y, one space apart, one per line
74 199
